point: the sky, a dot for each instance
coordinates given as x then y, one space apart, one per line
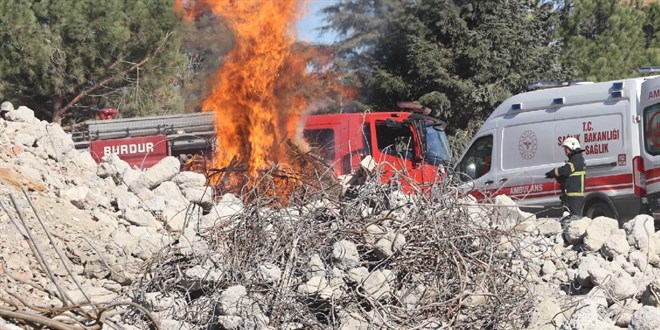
305 27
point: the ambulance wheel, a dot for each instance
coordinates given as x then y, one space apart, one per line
599 209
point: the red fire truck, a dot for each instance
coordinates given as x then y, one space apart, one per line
407 143
144 141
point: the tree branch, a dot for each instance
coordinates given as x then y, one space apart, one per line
113 77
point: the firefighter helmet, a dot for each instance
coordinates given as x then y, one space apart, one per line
6 106
571 143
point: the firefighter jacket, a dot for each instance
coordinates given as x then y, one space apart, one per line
571 175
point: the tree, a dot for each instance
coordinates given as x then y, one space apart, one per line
608 39
64 57
460 58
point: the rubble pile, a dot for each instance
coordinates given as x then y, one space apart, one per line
106 244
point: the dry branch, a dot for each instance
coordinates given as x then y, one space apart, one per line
453 260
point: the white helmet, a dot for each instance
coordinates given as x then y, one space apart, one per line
571 143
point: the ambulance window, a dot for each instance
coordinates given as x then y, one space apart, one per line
652 129
395 140
477 159
323 141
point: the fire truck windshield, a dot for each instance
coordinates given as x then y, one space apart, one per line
437 147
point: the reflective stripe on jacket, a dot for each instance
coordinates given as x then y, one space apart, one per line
571 175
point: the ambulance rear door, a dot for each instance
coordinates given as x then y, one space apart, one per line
649 111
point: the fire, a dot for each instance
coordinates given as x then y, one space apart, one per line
264 86
255 98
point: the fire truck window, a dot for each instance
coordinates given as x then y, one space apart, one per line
323 141
437 147
395 140
477 160
652 129
366 136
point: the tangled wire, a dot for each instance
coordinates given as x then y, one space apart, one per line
443 267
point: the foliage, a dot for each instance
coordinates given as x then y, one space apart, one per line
64 57
460 58
609 39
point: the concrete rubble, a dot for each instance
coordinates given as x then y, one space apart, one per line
111 220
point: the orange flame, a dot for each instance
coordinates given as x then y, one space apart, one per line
255 101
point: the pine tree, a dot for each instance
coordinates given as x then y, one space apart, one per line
64 57
609 39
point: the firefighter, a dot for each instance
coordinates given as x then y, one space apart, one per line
571 180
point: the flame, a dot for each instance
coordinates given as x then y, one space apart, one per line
254 97
263 88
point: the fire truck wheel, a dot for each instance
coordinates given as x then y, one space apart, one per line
599 209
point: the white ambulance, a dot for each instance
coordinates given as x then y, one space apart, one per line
521 140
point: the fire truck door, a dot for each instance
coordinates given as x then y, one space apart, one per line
397 149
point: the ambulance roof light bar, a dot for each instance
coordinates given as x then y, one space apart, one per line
616 91
648 69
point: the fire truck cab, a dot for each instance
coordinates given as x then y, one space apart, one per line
406 145
615 124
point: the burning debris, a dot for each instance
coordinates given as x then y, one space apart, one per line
280 184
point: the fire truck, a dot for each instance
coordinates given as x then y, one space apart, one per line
407 145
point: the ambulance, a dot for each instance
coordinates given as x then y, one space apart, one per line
617 124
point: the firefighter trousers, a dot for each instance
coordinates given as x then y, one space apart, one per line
572 204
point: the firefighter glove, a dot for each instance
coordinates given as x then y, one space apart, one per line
550 174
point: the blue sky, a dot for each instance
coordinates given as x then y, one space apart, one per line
313 19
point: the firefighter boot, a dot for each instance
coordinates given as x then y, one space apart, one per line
565 221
